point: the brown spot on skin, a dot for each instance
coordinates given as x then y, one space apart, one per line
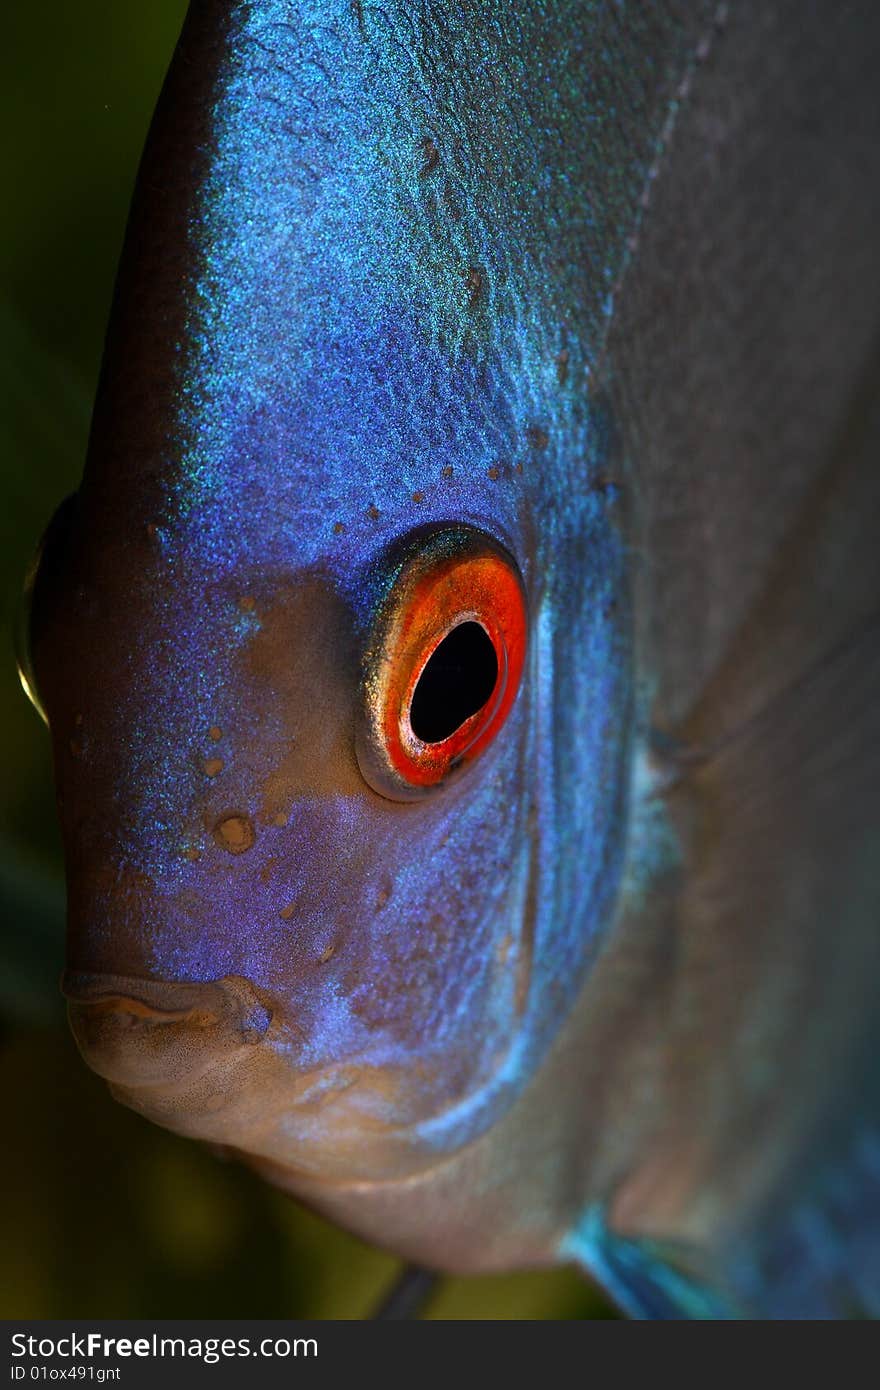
235 834
280 820
446 471
602 483
338 528
373 512
247 604
192 854
562 367
494 473
215 734
518 468
538 438
287 912
267 869
474 283
432 157
213 766
326 954
418 497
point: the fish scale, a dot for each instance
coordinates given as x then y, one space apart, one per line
587 296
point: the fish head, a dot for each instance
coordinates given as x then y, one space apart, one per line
332 645
286 935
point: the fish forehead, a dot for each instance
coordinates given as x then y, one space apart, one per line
375 288
338 358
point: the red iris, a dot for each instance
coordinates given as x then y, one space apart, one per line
445 662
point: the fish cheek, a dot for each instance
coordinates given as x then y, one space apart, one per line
406 887
437 971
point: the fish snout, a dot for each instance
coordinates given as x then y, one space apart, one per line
139 1032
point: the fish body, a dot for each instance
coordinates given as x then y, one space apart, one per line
557 322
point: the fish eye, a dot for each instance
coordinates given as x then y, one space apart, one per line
25 609
443 662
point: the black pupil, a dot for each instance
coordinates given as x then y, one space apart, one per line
457 681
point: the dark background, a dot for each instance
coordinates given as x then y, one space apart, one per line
103 1214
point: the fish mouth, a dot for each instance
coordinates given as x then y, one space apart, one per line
143 1032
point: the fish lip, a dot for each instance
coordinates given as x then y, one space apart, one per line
146 1033
156 1000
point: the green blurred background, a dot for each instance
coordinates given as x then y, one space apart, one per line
105 1215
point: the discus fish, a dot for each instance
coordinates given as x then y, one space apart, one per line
462 656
